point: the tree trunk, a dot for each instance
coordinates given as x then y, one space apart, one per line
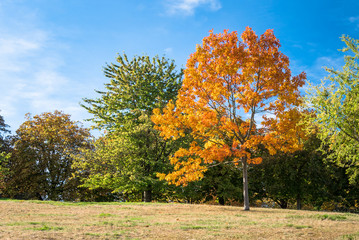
147 196
282 203
221 200
39 197
299 202
245 185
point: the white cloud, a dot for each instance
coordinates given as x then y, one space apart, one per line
168 51
16 45
316 73
355 20
187 7
31 74
330 62
15 48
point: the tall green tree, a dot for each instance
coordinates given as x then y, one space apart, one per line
3 127
126 162
136 87
41 160
4 154
4 139
336 104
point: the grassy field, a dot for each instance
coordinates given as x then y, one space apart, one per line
56 220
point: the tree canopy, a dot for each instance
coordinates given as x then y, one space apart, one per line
136 86
336 106
134 150
235 95
41 161
3 131
3 127
4 153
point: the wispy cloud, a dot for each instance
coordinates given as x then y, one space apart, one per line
16 48
31 76
187 7
317 73
355 20
168 51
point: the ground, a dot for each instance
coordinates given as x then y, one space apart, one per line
56 220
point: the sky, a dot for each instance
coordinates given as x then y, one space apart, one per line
52 52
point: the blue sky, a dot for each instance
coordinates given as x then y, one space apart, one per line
52 51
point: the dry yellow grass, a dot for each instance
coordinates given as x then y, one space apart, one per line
53 220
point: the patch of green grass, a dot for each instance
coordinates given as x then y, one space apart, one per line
330 217
248 223
298 226
93 234
117 235
108 223
22 223
203 224
212 224
45 227
352 236
15 224
35 223
295 216
6 199
58 203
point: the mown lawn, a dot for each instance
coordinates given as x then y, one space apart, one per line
56 220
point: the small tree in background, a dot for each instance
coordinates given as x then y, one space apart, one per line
41 160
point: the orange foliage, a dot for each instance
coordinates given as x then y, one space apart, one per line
235 96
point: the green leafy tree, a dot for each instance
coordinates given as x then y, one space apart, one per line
337 110
3 128
4 137
41 160
4 170
223 182
125 162
137 151
300 177
4 154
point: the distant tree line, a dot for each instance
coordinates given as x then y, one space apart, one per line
51 157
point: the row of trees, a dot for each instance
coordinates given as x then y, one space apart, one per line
234 113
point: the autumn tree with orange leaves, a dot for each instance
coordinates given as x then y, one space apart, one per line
236 95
